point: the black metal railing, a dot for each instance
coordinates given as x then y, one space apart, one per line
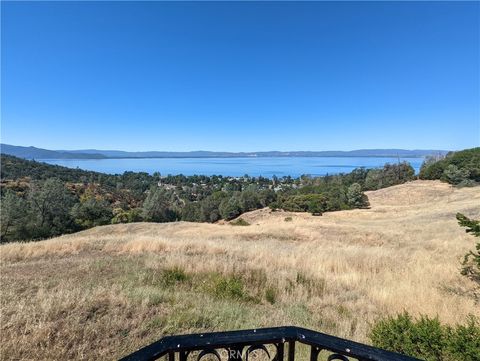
274 344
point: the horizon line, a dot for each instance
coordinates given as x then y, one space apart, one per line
227 151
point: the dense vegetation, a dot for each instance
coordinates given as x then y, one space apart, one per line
458 168
428 339
41 200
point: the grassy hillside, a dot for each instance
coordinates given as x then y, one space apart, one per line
104 292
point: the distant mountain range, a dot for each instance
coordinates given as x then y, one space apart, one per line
39 153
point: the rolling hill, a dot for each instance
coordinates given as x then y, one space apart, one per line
103 292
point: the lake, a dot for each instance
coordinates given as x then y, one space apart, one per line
264 166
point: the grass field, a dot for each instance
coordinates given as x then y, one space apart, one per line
104 292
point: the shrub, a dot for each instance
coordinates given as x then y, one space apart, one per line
288 219
239 222
271 295
173 275
129 216
426 338
229 287
464 342
313 203
454 175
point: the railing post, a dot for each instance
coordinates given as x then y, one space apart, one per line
183 355
171 356
314 351
291 351
280 351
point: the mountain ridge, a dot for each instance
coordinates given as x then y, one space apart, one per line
32 152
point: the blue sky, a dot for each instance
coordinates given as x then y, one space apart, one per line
240 76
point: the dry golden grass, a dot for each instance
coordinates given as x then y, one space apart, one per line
104 292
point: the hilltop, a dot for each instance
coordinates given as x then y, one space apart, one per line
106 291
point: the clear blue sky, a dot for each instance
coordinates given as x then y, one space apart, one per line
240 76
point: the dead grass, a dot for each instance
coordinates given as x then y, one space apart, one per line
102 293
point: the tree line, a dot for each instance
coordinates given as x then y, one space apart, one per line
460 168
41 200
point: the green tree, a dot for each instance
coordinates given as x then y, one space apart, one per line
266 196
374 179
92 212
465 172
249 198
192 212
13 212
389 175
336 197
432 168
230 208
471 261
209 208
50 205
355 197
158 206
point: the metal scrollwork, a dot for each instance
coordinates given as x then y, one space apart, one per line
256 348
207 352
336 356
267 343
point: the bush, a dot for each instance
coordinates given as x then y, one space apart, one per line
271 295
454 175
173 275
313 203
426 338
229 287
122 216
239 222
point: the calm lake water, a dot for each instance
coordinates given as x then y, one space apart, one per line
265 166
